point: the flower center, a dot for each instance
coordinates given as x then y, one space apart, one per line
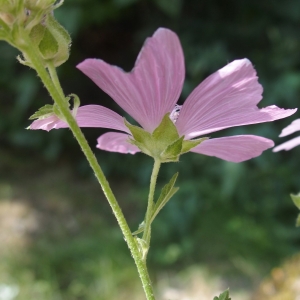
175 113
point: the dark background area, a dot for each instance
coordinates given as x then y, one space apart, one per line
235 219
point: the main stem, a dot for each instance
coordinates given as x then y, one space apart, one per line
58 98
147 228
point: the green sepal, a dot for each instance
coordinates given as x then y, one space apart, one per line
139 134
173 151
189 144
296 199
63 40
142 246
166 132
223 296
76 103
166 194
141 138
141 146
48 45
44 112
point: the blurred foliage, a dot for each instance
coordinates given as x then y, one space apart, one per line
225 214
283 282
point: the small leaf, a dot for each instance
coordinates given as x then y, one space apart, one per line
43 112
223 296
296 199
189 144
166 194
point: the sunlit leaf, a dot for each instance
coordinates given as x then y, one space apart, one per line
223 296
166 194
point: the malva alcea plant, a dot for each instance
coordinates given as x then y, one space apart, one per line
149 94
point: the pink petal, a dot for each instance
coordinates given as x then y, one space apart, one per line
87 116
225 99
152 88
234 148
45 124
116 142
293 127
288 145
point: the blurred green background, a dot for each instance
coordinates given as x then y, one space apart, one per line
228 225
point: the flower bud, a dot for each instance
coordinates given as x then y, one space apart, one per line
37 5
52 40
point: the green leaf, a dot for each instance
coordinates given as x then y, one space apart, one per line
166 194
189 144
296 199
43 112
223 296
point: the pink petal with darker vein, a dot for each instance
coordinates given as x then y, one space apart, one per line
116 142
293 127
226 99
234 148
87 116
288 145
154 85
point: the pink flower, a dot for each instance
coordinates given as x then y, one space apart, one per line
293 127
225 99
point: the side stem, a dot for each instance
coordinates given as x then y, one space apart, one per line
57 95
147 228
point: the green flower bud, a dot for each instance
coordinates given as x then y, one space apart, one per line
45 5
52 40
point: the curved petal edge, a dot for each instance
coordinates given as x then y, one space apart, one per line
234 148
116 142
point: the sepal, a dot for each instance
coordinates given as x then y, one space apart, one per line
173 151
166 133
190 144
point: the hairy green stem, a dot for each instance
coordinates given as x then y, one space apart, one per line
55 80
57 95
147 228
